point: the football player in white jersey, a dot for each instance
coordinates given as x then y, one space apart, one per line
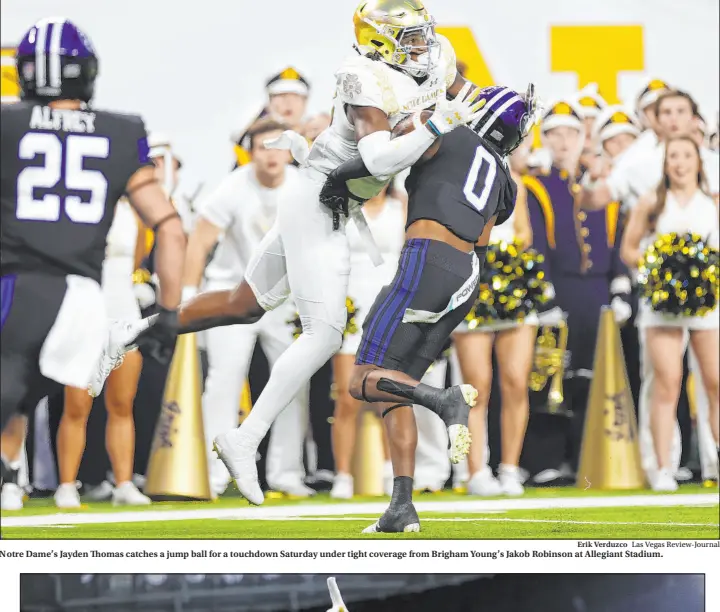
399 65
243 208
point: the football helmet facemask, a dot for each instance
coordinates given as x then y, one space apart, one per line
401 32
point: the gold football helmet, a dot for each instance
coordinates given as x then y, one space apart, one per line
401 32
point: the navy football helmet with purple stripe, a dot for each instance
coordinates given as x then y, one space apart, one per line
506 118
56 61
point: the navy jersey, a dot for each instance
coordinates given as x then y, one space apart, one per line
462 186
61 174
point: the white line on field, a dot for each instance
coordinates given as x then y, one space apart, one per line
265 512
479 519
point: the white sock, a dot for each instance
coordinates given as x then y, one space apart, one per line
292 370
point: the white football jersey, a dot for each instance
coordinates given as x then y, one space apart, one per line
365 82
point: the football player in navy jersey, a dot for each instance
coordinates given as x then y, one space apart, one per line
64 165
457 191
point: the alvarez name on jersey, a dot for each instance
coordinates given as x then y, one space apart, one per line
362 81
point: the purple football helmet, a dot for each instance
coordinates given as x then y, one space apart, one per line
56 61
506 118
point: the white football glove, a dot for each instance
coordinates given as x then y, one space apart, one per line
335 597
450 114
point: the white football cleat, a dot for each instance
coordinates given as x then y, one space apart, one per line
238 455
119 335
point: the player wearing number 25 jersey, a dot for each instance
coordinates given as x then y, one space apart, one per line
63 167
458 190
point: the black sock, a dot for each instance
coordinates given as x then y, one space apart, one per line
425 395
402 490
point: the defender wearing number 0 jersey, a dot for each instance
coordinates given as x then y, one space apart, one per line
63 168
459 189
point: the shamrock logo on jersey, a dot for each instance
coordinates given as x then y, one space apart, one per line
352 85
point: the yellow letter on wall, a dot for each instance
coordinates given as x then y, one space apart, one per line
597 54
10 88
468 51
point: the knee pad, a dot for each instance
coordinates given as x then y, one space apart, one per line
323 334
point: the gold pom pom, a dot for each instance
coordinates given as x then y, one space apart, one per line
678 275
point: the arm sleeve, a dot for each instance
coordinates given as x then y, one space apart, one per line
385 156
222 204
354 168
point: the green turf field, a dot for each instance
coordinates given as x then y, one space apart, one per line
691 513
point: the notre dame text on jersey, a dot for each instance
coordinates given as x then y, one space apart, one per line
62 171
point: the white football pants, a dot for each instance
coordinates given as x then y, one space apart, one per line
230 351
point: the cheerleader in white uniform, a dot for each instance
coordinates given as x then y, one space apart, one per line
680 205
386 218
514 346
125 251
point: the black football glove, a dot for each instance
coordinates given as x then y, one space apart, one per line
158 340
335 195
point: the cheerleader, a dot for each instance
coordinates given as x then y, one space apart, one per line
514 347
386 218
125 251
680 205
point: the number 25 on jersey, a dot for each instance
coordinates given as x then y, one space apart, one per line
62 173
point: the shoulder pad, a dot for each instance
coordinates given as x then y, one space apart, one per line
448 60
360 82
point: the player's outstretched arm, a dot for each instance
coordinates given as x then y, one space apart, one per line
385 156
151 203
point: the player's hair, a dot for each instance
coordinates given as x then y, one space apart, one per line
664 186
263 126
676 93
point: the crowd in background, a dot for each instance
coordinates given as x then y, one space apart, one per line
595 183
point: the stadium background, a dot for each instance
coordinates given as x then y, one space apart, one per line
155 58
184 88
